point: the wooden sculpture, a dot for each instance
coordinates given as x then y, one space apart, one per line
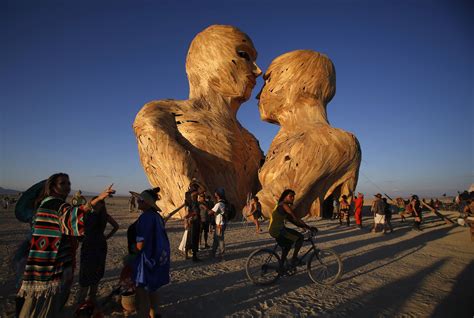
307 155
179 140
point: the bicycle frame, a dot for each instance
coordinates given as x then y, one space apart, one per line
300 258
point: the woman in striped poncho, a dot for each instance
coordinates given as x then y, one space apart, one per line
48 273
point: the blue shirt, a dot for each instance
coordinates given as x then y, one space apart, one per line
152 266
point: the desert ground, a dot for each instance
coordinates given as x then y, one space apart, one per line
402 274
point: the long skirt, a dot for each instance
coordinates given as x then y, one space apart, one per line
93 255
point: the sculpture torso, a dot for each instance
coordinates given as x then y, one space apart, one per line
311 159
181 140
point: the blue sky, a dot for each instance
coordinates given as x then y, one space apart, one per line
75 73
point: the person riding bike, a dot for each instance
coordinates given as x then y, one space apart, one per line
286 237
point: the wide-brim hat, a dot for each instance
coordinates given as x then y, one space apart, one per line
146 197
378 195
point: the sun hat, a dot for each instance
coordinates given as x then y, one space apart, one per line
147 197
378 195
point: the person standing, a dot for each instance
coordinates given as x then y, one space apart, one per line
219 212
193 220
335 210
378 209
205 219
132 204
388 216
151 268
94 252
344 210
358 205
48 274
256 212
417 212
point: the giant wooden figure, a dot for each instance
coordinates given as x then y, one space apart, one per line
307 155
179 140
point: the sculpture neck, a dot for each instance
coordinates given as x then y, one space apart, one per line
225 107
307 112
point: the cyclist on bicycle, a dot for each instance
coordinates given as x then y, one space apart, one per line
284 236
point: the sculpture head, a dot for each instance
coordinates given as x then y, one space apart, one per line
293 76
222 59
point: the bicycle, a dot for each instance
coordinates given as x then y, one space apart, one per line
264 265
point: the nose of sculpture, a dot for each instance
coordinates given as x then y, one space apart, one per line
256 70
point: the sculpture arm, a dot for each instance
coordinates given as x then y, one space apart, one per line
165 154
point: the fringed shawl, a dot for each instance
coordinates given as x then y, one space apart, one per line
44 268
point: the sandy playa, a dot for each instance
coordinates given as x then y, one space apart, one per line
406 273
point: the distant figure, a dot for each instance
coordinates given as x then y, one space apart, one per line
359 204
152 264
193 219
6 202
49 269
335 210
417 212
132 204
388 216
205 219
378 209
212 217
218 244
256 212
344 210
94 252
78 199
432 203
404 208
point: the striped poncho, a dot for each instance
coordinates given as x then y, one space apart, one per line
50 252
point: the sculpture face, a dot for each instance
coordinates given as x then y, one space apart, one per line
222 59
271 97
295 75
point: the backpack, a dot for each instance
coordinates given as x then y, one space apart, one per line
229 211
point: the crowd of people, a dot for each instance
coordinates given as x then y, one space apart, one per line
46 266
381 210
45 262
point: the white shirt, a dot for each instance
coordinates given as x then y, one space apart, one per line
219 210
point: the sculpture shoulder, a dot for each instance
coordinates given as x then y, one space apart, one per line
159 112
335 134
323 136
163 106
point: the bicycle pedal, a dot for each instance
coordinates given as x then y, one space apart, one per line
290 272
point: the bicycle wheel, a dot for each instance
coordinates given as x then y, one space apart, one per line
325 267
262 266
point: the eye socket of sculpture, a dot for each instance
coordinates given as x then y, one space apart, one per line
243 55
